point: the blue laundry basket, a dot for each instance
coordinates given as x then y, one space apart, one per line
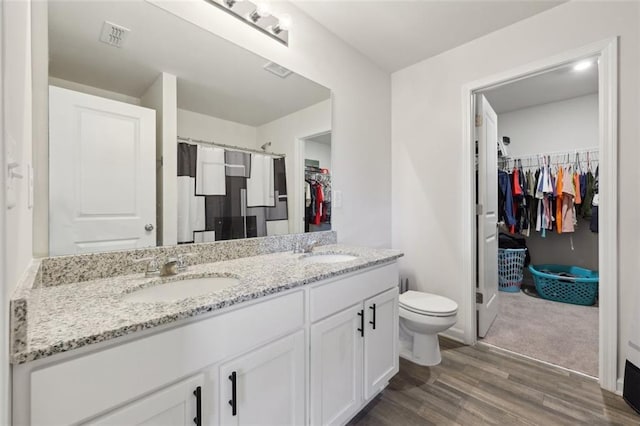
579 289
510 269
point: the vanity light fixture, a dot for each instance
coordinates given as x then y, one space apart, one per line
258 15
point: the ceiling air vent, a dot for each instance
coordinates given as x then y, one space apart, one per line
113 35
278 70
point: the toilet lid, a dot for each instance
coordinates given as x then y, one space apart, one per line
427 303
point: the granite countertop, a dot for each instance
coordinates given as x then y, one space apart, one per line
65 317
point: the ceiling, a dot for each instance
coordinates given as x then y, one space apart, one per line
553 86
215 77
395 34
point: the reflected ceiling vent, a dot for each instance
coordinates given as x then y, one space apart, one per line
278 70
113 35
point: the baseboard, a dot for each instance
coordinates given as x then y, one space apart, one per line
454 333
619 386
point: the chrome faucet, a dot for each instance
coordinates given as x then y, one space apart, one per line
172 266
153 267
304 248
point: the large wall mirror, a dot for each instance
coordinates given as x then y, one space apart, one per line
162 133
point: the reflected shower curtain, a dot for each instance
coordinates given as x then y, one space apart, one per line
225 194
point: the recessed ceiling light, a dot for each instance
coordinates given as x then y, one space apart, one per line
582 65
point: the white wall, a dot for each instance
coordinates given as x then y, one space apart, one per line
162 96
16 138
427 146
5 387
320 152
205 127
557 126
285 134
17 86
361 109
90 90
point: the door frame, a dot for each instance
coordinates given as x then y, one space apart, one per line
607 52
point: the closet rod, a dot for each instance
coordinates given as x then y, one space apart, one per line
555 154
233 147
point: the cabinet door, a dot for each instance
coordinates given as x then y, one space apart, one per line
336 367
266 386
381 341
172 406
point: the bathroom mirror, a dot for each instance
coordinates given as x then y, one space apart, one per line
162 133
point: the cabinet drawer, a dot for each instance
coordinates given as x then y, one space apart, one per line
78 389
339 294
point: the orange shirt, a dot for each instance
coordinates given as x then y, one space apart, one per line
559 186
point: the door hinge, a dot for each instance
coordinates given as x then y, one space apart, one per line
479 120
479 209
479 298
159 162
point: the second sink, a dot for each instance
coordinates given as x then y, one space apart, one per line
181 289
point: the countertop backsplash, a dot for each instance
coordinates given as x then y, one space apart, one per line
85 267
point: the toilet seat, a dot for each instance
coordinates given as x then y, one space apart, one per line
427 304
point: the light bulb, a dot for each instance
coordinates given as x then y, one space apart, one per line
263 10
582 65
284 22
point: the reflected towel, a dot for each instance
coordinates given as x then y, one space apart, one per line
191 215
210 171
260 186
237 163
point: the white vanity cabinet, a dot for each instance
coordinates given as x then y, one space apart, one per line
265 386
354 352
176 405
311 355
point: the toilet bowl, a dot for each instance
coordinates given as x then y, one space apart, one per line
422 317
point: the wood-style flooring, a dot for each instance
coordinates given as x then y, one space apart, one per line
485 386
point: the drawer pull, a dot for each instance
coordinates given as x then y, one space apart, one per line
373 322
198 418
232 401
361 329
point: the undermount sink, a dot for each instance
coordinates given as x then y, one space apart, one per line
181 289
327 258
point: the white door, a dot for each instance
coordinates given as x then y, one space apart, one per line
336 367
266 386
172 406
102 158
380 341
487 137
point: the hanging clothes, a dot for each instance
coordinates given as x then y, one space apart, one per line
317 218
559 188
595 204
505 200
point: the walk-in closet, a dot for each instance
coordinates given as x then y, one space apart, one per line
547 213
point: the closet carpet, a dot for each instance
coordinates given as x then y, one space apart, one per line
559 333
481 385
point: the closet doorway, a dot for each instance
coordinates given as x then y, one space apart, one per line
536 135
314 171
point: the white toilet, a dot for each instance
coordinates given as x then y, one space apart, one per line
422 317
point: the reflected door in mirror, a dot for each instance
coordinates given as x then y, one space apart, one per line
102 174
